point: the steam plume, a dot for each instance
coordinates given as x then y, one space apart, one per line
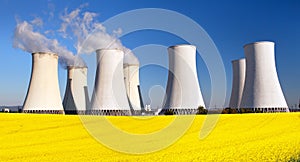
91 35
81 27
28 40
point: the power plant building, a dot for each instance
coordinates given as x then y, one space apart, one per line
262 90
43 95
132 84
183 94
238 80
109 95
76 99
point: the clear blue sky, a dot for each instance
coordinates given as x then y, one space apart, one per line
230 24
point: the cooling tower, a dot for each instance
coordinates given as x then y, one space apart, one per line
183 95
109 96
43 94
76 99
262 90
238 80
132 82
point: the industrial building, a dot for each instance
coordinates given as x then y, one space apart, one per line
43 95
76 99
262 90
132 84
183 94
238 80
109 95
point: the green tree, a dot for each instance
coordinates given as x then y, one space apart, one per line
229 110
202 110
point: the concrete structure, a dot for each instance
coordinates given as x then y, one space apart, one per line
43 94
6 110
238 80
132 83
183 95
262 90
76 99
109 95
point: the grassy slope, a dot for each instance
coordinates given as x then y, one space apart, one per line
247 137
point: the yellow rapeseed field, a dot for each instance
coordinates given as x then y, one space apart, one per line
239 137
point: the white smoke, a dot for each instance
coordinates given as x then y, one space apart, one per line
91 35
27 39
37 22
77 26
129 58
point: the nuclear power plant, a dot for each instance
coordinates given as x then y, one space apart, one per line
76 99
262 90
183 94
109 95
255 84
43 94
238 80
132 84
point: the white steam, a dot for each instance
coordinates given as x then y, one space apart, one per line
31 41
77 26
91 35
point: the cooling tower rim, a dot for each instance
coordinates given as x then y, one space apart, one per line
76 67
238 60
182 45
259 42
41 53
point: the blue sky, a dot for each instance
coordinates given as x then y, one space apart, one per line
230 24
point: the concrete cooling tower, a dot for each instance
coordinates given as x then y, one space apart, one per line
43 94
262 90
76 99
238 80
183 95
109 96
132 84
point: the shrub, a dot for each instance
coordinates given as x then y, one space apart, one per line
202 110
229 110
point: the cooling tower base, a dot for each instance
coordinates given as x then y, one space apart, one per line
110 112
265 110
75 112
44 111
136 112
179 111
